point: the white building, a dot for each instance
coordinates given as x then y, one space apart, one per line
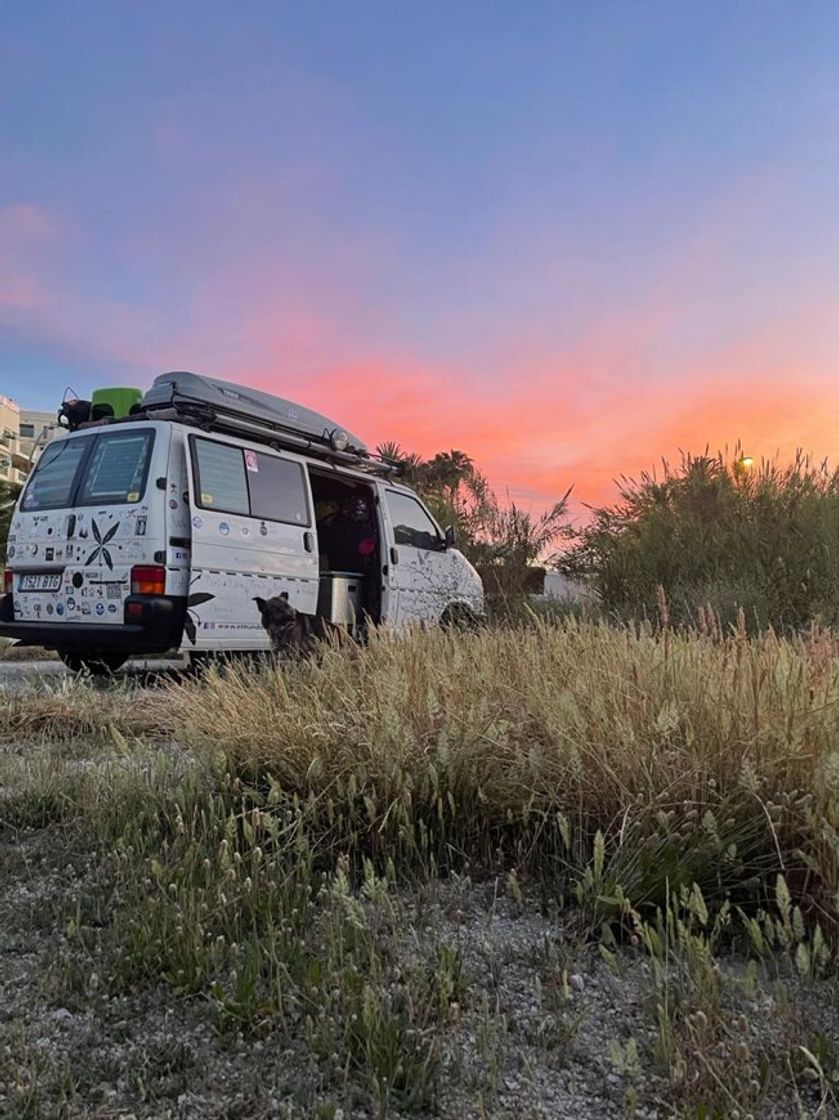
23 434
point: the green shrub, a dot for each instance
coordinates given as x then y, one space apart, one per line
761 540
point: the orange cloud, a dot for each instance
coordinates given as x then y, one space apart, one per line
536 443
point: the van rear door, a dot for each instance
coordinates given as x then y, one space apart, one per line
252 535
84 520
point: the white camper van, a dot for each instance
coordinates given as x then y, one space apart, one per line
156 531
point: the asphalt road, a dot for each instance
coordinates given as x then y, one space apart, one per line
15 675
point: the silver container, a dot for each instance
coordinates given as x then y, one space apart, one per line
339 597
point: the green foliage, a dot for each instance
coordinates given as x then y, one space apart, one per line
503 541
759 540
9 492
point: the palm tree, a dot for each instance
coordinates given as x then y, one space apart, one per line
391 451
410 465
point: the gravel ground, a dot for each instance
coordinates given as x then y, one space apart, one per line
534 1035
18 675
540 1026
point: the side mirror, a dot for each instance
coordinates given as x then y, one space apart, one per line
449 537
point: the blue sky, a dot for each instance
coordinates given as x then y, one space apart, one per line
567 238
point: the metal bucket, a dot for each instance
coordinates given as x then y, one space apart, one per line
339 597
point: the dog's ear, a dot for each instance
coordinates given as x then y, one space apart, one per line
260 604
284 595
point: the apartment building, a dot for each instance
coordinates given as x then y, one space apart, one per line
23 432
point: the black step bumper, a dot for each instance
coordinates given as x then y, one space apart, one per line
158 627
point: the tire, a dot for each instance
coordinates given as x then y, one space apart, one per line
97 664
457 616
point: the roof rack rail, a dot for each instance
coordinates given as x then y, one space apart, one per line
220 406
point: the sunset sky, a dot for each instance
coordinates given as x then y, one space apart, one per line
567 239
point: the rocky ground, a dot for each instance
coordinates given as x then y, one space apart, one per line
539 1025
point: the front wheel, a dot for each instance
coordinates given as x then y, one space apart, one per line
98 664
457 616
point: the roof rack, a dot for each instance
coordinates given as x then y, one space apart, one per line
224 407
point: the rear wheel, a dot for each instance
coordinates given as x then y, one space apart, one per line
99 664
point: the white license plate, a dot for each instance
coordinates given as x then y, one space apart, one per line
40 581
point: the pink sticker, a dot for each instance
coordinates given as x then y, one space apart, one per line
251 461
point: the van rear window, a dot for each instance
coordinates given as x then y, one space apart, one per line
54 480
109 468
116 470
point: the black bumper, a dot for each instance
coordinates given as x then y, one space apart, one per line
157 628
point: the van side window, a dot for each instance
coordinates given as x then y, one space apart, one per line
220 481
411 524
52 484
278 489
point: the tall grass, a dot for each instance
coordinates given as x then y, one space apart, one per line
711 530
693 755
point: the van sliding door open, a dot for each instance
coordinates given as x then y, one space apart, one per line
252 535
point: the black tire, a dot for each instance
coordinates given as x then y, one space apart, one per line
457 616
97 664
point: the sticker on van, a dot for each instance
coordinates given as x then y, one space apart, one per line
251 461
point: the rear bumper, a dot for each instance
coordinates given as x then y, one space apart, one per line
158 628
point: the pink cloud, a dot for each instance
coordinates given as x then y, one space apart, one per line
24 230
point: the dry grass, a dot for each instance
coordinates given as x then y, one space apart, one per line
483 740
676 793
71 708
13 651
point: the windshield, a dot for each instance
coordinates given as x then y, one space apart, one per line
109 468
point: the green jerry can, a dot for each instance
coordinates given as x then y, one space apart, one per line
116 403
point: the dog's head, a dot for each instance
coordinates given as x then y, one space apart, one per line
279 619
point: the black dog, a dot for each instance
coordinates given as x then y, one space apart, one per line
291 632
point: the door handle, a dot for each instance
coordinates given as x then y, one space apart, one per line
308 542
394 555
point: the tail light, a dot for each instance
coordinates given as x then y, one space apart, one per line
148 579
8 581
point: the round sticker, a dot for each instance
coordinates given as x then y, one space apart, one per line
112 608
71 604
59 608
224 528
100 608
197 522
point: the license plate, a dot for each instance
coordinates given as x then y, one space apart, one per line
40 581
